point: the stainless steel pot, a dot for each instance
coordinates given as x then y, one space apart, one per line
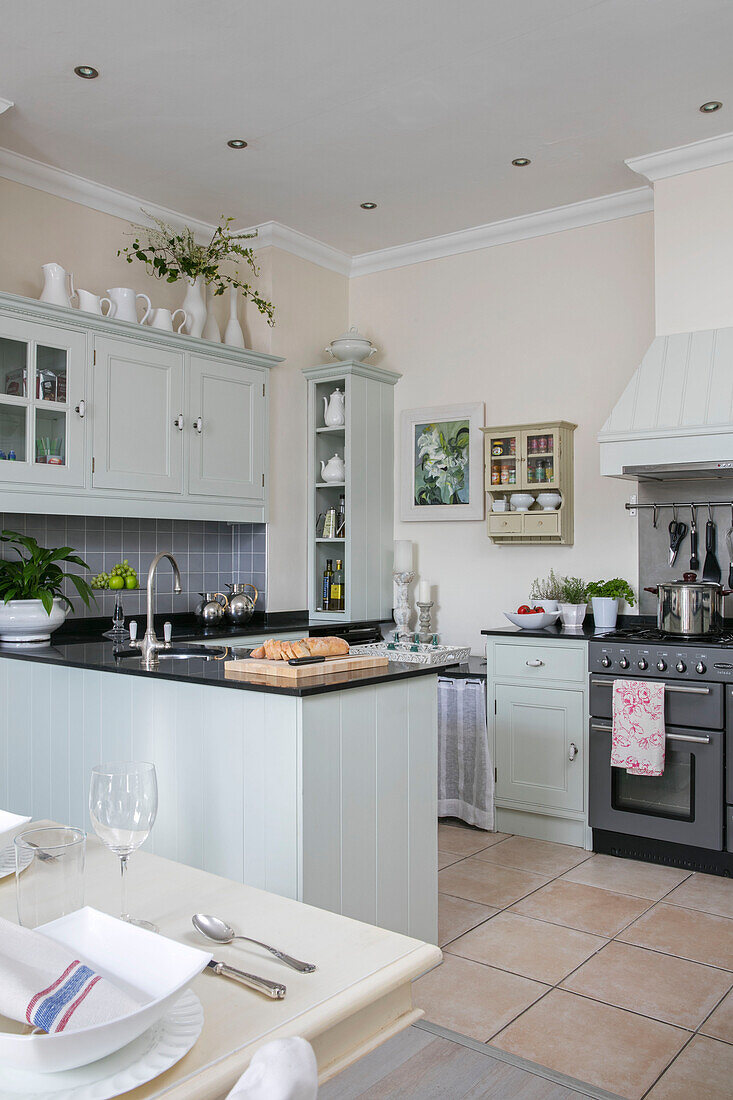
689 607
210 610
241 606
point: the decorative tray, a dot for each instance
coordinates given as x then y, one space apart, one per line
415 653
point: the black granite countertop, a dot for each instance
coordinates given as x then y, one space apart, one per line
587 632
472 669
103 657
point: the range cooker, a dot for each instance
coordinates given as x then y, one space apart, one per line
685 816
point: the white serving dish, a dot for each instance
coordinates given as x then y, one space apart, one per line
351 345
414 654
521 502
9 824
28 620
533 622
147 966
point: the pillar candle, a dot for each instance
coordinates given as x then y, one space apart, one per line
403 556
423 592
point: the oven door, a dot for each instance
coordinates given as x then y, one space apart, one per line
683 806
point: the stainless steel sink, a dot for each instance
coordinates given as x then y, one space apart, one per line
180 653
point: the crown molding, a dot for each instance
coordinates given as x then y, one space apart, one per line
622 204
684 158
299 244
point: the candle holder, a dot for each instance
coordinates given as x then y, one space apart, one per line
402 608
425 634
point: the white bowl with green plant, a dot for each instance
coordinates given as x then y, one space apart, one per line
573 603
32 599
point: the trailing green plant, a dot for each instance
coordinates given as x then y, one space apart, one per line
612 590
37 575
574 590
546 588
172 255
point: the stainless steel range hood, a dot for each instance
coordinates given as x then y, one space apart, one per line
674 420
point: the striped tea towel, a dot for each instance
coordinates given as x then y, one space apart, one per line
42 984
638 737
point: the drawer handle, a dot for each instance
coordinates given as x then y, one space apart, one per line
534 664
572 751
81 409
178 422
705 740
681 689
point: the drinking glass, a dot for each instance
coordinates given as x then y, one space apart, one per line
123 803
49 873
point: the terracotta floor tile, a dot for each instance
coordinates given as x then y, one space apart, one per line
709 893
703 1071
542 856
456 916
669 989
627 876
607 1047
446 858
477 880
720 1023
687 933
465 840
572 905
529 947
472 999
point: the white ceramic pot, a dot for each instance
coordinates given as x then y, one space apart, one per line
194 305
549 502
125 299
572 614
28 621
351 345
334 469
521 502
549 605
605 612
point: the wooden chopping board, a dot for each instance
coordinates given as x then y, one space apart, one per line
250 665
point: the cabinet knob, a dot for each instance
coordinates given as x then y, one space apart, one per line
572 751
178 422
199 424
534 664
81 409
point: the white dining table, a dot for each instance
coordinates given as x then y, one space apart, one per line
358 997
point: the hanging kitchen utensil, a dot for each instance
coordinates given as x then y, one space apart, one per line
694 559
711 568
729 547
677 532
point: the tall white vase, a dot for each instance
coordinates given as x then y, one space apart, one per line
195 306
211 328
233 334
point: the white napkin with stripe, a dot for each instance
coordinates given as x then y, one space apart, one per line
284 1069
43 984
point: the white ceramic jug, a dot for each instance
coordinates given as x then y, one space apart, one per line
92 303
334 469
125 302
58 285
334 412
164 319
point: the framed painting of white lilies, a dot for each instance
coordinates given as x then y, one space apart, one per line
442 474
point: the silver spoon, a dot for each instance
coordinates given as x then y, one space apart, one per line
220 932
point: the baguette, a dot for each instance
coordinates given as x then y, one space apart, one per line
300 649
258 653
326 647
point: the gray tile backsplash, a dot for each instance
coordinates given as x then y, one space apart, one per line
208 554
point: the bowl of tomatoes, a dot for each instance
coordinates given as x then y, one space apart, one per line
532 618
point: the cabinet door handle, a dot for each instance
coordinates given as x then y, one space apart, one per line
199 424
572 751
81 409
534 664
178 422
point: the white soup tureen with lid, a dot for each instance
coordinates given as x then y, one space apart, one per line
351 345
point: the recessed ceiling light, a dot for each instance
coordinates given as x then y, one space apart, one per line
521 162
237 143
710 106
368 205
86 72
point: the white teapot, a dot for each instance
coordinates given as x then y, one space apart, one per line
334 409
334 469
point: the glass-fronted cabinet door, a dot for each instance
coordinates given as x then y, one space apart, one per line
541 452
41 404
504 460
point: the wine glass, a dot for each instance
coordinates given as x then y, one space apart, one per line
123 803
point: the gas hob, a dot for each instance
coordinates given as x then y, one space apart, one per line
648 653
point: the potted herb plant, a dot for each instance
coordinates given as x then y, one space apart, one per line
546 591
33 603
605 597
573 602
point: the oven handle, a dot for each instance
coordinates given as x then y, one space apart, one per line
681 688
670 736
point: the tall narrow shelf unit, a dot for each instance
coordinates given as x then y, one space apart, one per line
366 443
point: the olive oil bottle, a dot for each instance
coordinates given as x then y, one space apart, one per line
327 582
337 601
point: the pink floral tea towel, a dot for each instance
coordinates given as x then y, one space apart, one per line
637 740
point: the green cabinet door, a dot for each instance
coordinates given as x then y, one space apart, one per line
539 746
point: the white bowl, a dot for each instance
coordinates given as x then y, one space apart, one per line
28 620
533 621
147 966
549 502
521 502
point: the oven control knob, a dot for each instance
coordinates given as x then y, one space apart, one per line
661 665
681 666
606 661
643 664
700 667
624 662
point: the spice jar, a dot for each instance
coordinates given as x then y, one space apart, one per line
505 475
512 475
495 474
542 444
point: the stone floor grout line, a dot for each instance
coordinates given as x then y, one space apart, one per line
717 1006
668 1066
631 1011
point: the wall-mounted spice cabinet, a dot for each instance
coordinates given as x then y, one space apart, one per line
530 459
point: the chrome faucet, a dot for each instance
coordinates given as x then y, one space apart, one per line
150 647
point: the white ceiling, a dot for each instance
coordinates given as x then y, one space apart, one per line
419 105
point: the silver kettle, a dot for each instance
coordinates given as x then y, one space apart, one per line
241 606
210 611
